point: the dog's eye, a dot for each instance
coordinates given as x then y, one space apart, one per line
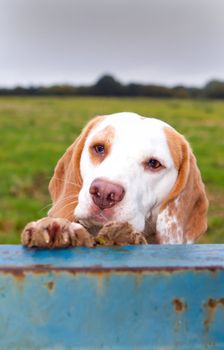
100 149
154 164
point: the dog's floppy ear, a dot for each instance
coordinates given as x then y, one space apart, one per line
66 182
183 214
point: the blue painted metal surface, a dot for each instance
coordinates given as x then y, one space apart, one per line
137 297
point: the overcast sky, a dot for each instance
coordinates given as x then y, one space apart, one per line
76 41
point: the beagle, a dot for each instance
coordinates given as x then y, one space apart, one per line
125 168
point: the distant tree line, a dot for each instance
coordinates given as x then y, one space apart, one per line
109 86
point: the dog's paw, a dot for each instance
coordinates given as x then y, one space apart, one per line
119 233
55 233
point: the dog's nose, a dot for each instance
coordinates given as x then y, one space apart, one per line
106 194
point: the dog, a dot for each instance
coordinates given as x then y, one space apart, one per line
129 169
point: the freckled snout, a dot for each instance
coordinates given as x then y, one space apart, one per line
106 194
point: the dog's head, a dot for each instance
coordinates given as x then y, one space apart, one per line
124 167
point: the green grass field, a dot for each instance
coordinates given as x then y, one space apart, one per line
36 131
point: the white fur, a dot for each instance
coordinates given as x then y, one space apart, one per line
165 229
136 139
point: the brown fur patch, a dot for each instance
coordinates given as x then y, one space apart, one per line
180 151
191 208
66 182
104 137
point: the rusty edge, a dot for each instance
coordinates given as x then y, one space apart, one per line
98 269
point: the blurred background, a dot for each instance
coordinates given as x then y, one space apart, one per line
63 62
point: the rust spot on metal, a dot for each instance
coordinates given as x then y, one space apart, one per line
179 305
211 307
50 285
17 273
139 279
100 284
